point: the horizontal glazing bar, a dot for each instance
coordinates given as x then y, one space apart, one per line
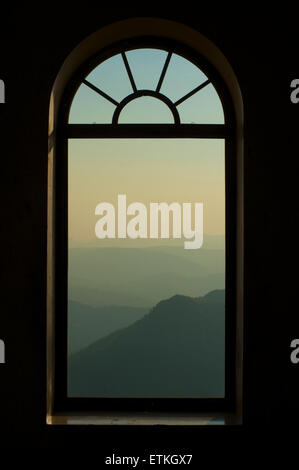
79 131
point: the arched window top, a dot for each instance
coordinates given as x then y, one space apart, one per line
146 85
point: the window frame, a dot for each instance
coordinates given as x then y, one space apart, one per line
226 131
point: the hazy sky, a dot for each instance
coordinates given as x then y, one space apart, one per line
146 170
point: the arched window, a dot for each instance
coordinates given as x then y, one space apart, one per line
145 223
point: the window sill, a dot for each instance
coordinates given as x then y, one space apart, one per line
143 419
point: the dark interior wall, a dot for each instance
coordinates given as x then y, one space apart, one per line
261 51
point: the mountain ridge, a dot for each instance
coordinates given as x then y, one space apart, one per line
177 337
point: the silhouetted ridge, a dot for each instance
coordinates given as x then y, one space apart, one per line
177 349
87 324
174 308
217 295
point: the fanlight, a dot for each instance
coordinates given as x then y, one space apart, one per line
146 86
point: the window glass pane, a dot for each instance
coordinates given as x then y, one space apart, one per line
88 107
181 77
112 78
146 110
204 107
146 66
146 315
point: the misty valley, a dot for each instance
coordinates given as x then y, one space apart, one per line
146 321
